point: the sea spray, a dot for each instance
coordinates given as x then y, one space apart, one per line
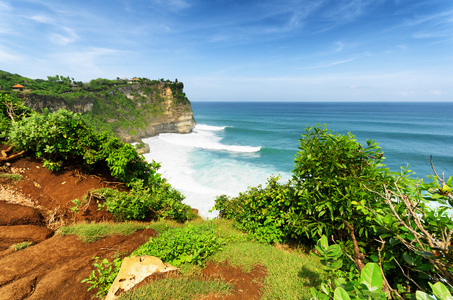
201 167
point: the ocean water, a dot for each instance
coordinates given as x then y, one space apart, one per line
239 145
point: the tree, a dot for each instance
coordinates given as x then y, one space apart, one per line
329 174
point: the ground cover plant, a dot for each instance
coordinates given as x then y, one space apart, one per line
189 244
291 273
21 246
179 288
91 232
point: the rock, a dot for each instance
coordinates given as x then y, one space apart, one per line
143 150
133 271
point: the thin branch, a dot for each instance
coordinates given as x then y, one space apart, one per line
432 167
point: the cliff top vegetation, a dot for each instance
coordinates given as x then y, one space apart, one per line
107 105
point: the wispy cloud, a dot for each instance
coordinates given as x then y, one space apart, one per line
340 46
172 5
66 36
329 64
8 56
342 11
270 17
436 92
41 19
4 6
434 25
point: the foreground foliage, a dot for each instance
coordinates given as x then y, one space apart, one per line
62 138
342 190
103 276
290 272
189 244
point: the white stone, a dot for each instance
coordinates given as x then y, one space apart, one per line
133 270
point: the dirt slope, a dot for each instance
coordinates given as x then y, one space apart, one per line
53 267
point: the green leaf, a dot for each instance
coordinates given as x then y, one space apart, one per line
408 259
419 295
441 291
340 294
371 276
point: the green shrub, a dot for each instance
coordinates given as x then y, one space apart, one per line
61 136
189 244
263 212
145 202
12 109
336 180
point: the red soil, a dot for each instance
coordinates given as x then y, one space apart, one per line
53 267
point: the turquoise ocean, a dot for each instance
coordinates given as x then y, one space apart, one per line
237 145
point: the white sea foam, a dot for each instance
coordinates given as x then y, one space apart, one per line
192 164
205 137
209 127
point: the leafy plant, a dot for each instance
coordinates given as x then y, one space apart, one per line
367 285
439 290
21 246
424 230
103 276
263 212
190 244
144 202
330 173
12 109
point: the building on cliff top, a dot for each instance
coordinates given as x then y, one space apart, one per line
18 87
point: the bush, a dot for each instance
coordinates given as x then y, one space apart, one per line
12 109
189 244
145 202
336 180
263 212
61 136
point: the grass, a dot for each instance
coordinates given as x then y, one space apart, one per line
21 246
13 177
91 232
179 288
290 273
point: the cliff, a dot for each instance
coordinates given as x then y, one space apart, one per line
130 110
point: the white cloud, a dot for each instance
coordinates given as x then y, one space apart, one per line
347 11
340 46
405 93
173 5
330 64
436 92
89 62
5 6
7 57
68 36
41 19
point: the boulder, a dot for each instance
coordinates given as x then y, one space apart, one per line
134 270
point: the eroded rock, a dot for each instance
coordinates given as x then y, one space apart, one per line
134 270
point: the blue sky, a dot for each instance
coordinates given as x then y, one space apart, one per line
247 50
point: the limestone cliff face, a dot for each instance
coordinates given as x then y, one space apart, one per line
173 117
134 111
